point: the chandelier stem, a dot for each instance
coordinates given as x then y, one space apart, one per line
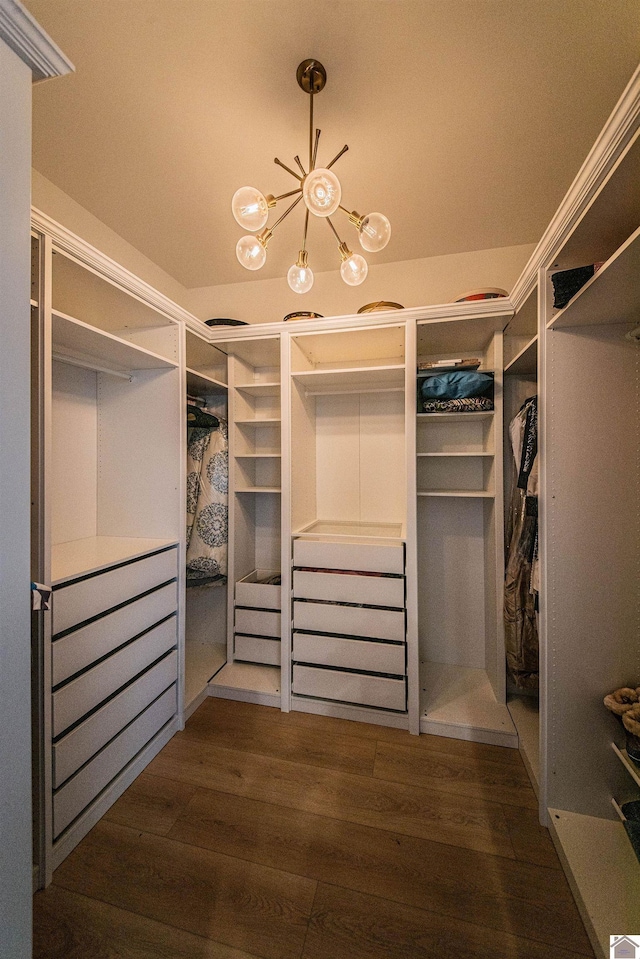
306 227
284 167
337 157
283 196
311 132
286 213
315 150
328 219
300 166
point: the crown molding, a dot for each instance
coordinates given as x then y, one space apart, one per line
27 39
616 136
87 255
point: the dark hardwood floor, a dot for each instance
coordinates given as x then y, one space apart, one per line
256 833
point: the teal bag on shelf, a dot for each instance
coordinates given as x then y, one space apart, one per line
457 385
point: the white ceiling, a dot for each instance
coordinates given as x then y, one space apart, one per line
466 119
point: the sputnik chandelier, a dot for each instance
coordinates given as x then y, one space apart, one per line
321 192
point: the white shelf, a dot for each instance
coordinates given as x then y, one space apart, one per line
81 556
612 295
448 455
34 303
248 682
259 389
467 493
259 489
458 702
206 385
459 417
526 361
76 340
358 380
335 529
259 456
632 769
265 421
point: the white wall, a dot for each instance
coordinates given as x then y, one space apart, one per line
15 621
438 279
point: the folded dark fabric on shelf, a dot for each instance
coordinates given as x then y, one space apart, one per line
472 404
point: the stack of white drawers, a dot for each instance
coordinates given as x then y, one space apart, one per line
349 633
257 620
114 675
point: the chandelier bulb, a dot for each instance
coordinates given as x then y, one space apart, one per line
354 268
251 208
374 231
251 252
321 192
300 277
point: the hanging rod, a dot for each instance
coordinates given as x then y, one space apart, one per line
87 365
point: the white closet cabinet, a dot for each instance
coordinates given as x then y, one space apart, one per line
108 511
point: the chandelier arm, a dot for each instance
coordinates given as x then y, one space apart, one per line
283 196
302 169
337 157
328 219
355 218
315 150
306 227
286 213
280 163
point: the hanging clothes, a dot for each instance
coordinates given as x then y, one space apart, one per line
207 503
521 574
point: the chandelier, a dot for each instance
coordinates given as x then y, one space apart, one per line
319 188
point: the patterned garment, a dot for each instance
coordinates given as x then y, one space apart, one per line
473 404
207 499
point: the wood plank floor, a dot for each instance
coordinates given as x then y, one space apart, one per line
257 834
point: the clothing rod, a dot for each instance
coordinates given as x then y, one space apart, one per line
87 365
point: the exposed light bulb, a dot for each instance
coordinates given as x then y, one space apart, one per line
251 252
322 192
300 277
375 232
250 208
354 269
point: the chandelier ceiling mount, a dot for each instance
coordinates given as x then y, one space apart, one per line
320 190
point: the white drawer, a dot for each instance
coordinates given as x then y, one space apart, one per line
89 689
257 622
76 602
368 557
349 620
83 788
253 649
260 595
86 739
79 649
378 691
349 653
347 588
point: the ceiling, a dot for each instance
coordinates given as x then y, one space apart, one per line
466 119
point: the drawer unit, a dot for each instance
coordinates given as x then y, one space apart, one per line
367 557
350 620
85 645
378 691
84 693
78 746
254 649
81 600
72 798
259 595
349 653
349 588
257 622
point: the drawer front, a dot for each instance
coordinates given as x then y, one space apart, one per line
84 742
368 557
378 691
84 693
349 653
253 649
351 620
79 649
347 588
260 595
79 601
83 788
257 622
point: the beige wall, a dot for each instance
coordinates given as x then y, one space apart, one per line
438 279
45 196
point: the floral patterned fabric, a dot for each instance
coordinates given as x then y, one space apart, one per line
207 499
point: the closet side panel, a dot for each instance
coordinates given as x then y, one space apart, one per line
140 455
383 481
338 457
74 453
592 557
304 508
